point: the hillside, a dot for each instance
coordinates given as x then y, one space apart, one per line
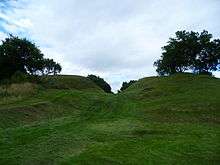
182 94
69 82
158 120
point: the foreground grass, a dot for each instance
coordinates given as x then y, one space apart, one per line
173 120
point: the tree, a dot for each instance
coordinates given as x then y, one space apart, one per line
125 85
22 55
100 82
49 66
189 51
208 59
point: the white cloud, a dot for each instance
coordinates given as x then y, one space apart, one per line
118 40
2 36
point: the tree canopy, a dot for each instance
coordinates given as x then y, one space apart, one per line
24 56
190 51
125 85
100 82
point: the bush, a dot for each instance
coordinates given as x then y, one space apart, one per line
19 77
24 89
100 82
206 73
125 85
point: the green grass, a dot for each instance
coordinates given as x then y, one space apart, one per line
166 120
69 82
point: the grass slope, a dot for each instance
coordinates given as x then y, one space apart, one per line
167 120
69 82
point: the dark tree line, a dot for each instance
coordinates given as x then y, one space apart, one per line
100 82
21 55
125 85
190 51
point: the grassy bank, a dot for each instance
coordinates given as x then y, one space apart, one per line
167 120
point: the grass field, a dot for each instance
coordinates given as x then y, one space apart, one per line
69 120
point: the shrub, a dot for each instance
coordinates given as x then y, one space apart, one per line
24 89
100 82
19 77
125 85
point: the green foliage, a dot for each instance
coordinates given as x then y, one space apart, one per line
20 77
189 51
125 85
100 82
49 66
24 56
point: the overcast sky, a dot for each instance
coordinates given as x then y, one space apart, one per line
115 39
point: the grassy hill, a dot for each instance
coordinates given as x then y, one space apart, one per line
69 82
69 120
